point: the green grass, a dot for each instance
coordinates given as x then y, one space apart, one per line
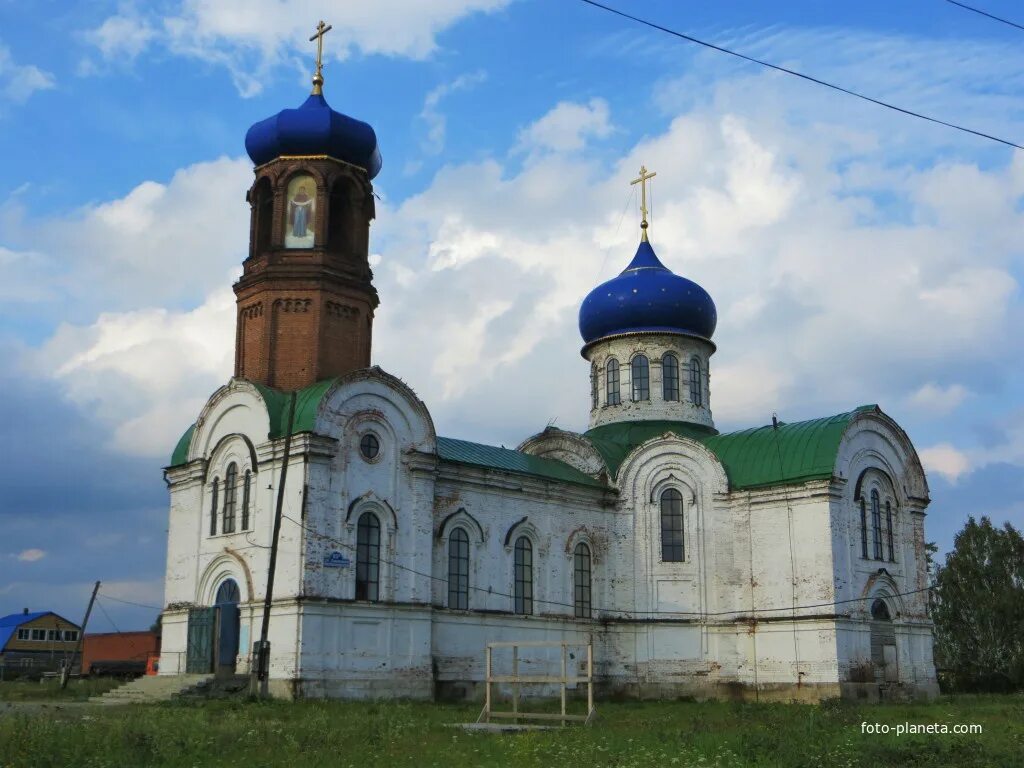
317 733
79 689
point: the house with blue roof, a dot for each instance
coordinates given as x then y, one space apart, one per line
36 641
782 561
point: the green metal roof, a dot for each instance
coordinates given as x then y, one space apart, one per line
180 455
762 456
307 403
477 454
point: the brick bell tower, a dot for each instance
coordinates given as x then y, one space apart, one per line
306 298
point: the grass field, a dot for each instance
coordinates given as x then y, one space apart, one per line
50 690
315 733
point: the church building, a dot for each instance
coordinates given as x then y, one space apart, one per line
784 561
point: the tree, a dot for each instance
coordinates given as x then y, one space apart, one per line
978 608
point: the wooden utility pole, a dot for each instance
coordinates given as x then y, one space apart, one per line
81 638
262 672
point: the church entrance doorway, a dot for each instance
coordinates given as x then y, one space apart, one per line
226 606
883 643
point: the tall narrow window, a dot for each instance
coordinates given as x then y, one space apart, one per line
670 377
672 549
245 499
458 570
339 224
594 387
214 500
640 374
264 213
876 524
612 380
888 531
696 394
523 593
581 581
863 528
368 557
230 497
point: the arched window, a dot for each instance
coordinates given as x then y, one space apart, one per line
880 611
368 557
264 205
863 528
696 395
339 224
670 377
523 592
581 580
876 523
672 549
888 530
458 570
641 378
230 497
214 500
246 492
594 387
612 380
227 593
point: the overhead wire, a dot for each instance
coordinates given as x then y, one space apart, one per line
986 13
631 614
801 75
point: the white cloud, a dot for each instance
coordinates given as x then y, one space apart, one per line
842 275
945 460
252 37
122 37
145 373
938 400
435 120
19 81
162 243
31 555
567 127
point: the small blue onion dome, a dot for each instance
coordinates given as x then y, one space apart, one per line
314 129
647 296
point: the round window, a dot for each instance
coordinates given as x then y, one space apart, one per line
369 446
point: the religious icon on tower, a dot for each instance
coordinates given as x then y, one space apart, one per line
298 231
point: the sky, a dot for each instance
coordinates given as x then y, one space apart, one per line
855 255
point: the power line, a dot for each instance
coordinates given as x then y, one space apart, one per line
986 13
801 75
699 614
130 602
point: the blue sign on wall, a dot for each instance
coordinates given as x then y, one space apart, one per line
336 560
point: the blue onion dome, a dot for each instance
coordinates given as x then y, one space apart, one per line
647 296
314 129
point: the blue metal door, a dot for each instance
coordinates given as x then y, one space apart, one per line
227 642
227 600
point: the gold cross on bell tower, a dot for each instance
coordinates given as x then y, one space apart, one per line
642 181
318 77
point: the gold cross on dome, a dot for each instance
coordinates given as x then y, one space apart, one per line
642 181
318 78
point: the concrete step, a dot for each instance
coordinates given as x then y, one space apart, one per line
151 688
